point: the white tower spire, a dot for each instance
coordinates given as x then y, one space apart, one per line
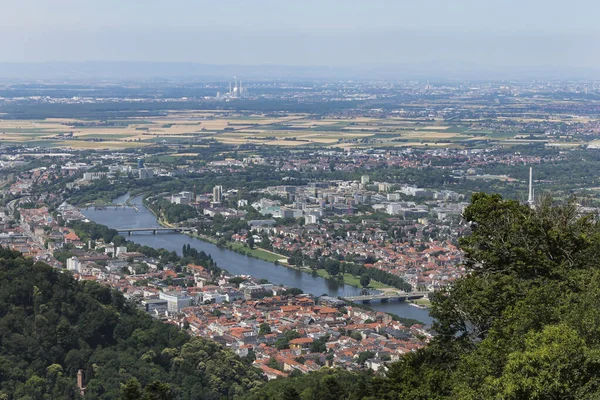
531 200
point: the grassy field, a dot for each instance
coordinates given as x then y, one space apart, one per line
291 130
424 302
353 280
256 253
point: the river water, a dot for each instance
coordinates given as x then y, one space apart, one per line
234 262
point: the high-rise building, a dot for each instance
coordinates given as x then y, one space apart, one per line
73 264
217 194
364 179
140 163
146 173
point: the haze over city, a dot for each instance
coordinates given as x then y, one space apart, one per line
361 39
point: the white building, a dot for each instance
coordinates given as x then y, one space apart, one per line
216 298
415 191
176 300
74 265
217 194
182 198
395 209
93 176
393 196
310 219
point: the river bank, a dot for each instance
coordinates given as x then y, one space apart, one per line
269 256
237 263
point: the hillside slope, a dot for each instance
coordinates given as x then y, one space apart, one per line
51 326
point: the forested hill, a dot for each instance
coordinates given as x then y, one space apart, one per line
51 326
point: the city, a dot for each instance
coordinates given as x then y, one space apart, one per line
385 233
316 200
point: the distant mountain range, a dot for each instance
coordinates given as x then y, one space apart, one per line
88 71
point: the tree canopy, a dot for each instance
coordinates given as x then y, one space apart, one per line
524 323
51 326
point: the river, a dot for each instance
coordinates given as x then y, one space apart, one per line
234 262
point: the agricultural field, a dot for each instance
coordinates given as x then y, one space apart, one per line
237 128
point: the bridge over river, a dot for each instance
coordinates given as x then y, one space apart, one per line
154 230
387 296
116 206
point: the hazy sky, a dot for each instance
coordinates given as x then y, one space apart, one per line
500 33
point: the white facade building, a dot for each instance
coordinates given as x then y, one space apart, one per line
176 300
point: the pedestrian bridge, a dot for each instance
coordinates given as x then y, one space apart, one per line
388 296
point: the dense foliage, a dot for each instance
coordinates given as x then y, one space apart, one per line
51 326
173 213
524 323
327 384
333 267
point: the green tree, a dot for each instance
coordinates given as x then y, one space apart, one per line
158 391
273 363
319 345
131 390
553 365
334 268
290 393
365 280
330 389
265 243
264 329
364 356
521 323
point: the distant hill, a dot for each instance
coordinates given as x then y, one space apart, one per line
96 71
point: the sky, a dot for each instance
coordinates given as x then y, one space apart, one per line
456 33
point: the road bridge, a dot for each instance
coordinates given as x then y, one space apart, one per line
154 230
387 296
116 206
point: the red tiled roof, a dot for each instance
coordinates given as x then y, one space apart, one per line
301 340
